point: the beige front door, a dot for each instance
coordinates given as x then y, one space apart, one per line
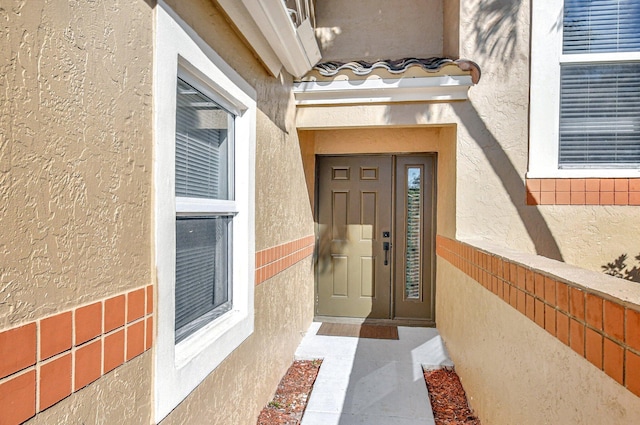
375 252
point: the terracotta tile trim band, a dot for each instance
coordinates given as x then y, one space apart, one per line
603 331
44 361
271 261
583 191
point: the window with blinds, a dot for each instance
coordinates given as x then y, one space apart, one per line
203 153
600 91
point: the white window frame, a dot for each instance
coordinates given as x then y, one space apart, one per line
180 368
546 58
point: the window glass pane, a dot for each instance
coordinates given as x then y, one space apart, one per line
414 235
202 272
202 145
600 114
598 26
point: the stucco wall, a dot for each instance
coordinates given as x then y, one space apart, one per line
75 153
378 29
235 392
492 142
514 371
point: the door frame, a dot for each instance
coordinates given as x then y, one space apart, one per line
429 322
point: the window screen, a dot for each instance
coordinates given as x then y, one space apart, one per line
600 114
598 26
202 172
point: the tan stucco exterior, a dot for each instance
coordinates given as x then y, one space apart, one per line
76 149
515 372
375 29
492 142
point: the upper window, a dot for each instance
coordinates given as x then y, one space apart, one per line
204 168
585 88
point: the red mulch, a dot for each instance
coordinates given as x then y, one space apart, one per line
448 399
291 397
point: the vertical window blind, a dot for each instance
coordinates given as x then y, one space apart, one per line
600 101
202 287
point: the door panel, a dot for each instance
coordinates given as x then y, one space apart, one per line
364 203
414 237
354 208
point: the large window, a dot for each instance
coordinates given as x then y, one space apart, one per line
203 177
585 88
204 171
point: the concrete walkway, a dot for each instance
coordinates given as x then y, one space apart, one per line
372 381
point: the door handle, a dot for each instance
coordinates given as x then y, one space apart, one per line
386 246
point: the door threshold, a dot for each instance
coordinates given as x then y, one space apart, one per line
386 322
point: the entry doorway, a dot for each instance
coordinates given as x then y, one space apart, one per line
376 227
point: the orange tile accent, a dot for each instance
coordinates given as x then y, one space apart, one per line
562 292
633 329
274 260
88 364
540 313
13 359
114 310
614 320
550 319
88 322
539 285
135 305
576 303
55 381
594 347
522 277
522 302
56 334
549 290
592 185
613 360
18 399
632 373
135 340
529 281
562 327
148 339
113 350
149 299
513 297
607 185
594 311
576 336
530 310
606 198
621 191
563 198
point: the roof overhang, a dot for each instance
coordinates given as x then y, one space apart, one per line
405 80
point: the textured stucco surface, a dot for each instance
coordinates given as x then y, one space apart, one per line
243 384
379 29
514 372
492 143
75 153
122 396
236 390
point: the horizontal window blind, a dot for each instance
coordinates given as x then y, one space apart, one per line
201 145
600 115
599 26
202 272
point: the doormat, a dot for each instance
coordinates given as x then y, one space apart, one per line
358 331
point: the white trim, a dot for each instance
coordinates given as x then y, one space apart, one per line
297 52
385 90
198 205
544 108
179 369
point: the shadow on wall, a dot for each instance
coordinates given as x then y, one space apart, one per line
619 268
496 28
535 224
